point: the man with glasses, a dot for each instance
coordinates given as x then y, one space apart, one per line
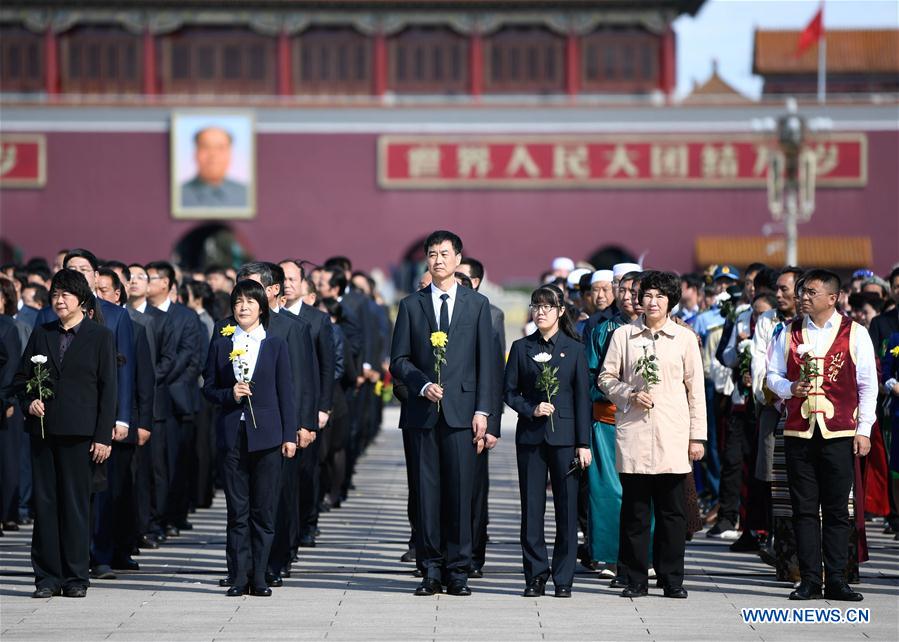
824 369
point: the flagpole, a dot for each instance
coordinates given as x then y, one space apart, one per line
822 68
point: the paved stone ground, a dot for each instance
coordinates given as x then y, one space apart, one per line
353 586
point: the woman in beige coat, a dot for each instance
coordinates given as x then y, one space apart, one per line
653 374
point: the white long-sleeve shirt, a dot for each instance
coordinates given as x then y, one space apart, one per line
250 342
820 339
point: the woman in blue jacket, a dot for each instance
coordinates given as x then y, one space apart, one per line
248 376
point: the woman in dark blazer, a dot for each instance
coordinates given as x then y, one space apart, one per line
549 436
254 430
78 422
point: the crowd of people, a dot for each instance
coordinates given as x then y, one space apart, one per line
652 404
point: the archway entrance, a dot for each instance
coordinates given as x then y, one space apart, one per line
210 244
603 258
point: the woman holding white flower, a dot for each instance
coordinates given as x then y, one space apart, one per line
547 384
67 384
653 374
248 375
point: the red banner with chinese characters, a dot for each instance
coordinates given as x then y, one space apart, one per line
23 160
600 161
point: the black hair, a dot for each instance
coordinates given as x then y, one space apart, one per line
692 280
258 268
8 297
333 307
201 290
797 272
463 280
438 237
767 297
341 262
858 300
221 305
41 295
550 294
765 279
118 265
252 290
583 284
165 269
296 262
38 269
476 267
207 128
666 283
754 267
73 282
116 283
632 276
277 276
893 275
80 252
215 269
338 278
828 278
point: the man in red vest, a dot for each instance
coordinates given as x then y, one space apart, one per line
824 369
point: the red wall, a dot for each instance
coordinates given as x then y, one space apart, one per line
317 196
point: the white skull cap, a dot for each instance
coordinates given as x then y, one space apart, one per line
620 269
563 263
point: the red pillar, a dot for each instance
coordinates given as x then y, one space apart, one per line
379 87
476 64
572 65
667 60
285 66
51 63
149 64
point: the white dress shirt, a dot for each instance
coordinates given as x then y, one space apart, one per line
142 308
296 307
165 305
436 293
250 342
821 339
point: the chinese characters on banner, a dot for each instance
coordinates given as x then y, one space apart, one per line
512 162
23 160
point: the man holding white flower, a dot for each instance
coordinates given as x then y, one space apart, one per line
823 366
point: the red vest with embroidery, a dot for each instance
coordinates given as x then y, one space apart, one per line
832 403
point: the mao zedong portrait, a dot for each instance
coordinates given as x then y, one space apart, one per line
211 186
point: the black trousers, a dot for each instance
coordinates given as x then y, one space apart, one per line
143 488
533 464
286 517
820 473
251 491
442 463
203 489
412 498
11 437
60 544
114 528
479 516
309 471
739 435
664 496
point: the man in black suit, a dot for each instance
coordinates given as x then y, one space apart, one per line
173 434
80 356
10 440
439 415
479 514
305 381
115 526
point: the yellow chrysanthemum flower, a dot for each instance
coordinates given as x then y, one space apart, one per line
228 330
895 351
237 352
439 339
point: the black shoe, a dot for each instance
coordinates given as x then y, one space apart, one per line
261 591
563 591
285 572
236 591
535 588
10 526
125 565
45 592
274 580
416 572
146 541
806 591
159 538
135 550
428 588
172 531
617 583
408 556
74 591
307 541
476 573
184 526
226 581
458 588
635 591
324 506
842 593
102 572
748 543
677 592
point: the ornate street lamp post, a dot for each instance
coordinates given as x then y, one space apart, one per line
791 178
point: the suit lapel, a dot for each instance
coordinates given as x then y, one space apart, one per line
53 347
81 339
459 309
427 307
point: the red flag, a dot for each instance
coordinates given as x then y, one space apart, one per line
812 32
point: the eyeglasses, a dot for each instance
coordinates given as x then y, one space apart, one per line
138 277
542 308
809 294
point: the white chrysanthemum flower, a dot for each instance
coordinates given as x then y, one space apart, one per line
804 349
39 358
543 357
745 344
721 298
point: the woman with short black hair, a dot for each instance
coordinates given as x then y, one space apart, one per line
248 374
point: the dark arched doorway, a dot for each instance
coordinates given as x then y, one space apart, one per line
210 244
606 256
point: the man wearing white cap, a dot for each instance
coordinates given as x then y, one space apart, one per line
562 266
620 269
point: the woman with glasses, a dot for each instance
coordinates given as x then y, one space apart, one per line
547 384
653 374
